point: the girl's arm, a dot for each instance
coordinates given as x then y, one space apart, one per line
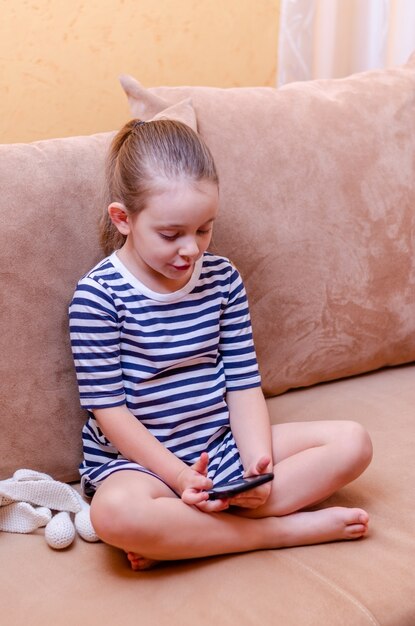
251 429
136 443
249 418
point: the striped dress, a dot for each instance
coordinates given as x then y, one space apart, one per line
170 358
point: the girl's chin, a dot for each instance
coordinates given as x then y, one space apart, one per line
179 278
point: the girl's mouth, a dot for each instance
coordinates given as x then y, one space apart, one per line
181 268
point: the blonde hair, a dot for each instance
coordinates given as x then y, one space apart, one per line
143 156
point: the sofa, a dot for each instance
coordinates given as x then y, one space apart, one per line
317 210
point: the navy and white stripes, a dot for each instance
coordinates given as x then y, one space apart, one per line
170 358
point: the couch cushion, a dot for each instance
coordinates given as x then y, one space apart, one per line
317 211
49 211
369 582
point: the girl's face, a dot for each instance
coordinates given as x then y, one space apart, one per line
170 234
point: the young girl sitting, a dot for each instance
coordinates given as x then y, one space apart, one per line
163 349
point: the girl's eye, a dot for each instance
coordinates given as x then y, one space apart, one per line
201 231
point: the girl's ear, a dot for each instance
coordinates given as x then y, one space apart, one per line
119 217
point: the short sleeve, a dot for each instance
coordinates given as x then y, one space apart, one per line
94 333
236 341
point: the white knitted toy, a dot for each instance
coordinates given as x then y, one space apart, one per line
60 531
21 517
27 488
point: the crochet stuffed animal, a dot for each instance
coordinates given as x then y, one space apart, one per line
28 501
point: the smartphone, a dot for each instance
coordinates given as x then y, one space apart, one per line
227 490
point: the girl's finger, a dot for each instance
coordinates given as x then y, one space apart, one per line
201 464
213 506
193 496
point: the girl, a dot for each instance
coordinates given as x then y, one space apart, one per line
166 367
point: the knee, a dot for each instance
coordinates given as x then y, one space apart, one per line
117 521
108 516
357 446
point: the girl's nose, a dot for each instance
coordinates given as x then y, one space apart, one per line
189 248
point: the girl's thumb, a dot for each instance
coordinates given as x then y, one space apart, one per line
202 464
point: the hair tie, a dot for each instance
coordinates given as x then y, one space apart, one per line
138 123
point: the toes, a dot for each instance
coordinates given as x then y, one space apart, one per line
132 556
363 517
140 563
356 529
356 517
356 523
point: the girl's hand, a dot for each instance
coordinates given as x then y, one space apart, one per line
193 483
254 498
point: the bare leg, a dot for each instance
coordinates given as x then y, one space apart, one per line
312 461
140 515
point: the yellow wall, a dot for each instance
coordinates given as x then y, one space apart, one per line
60 59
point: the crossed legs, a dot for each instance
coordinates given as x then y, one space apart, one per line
312 461
139 514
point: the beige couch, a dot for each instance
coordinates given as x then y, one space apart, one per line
318 213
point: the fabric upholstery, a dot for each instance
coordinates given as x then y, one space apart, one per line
317 211
49 212
368 582
317 200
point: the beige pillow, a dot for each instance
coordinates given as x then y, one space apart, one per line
155 108
317 211
49 208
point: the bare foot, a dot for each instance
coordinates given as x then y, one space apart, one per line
331 524
297 529
140 563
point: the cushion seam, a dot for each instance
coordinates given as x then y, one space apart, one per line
338 589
